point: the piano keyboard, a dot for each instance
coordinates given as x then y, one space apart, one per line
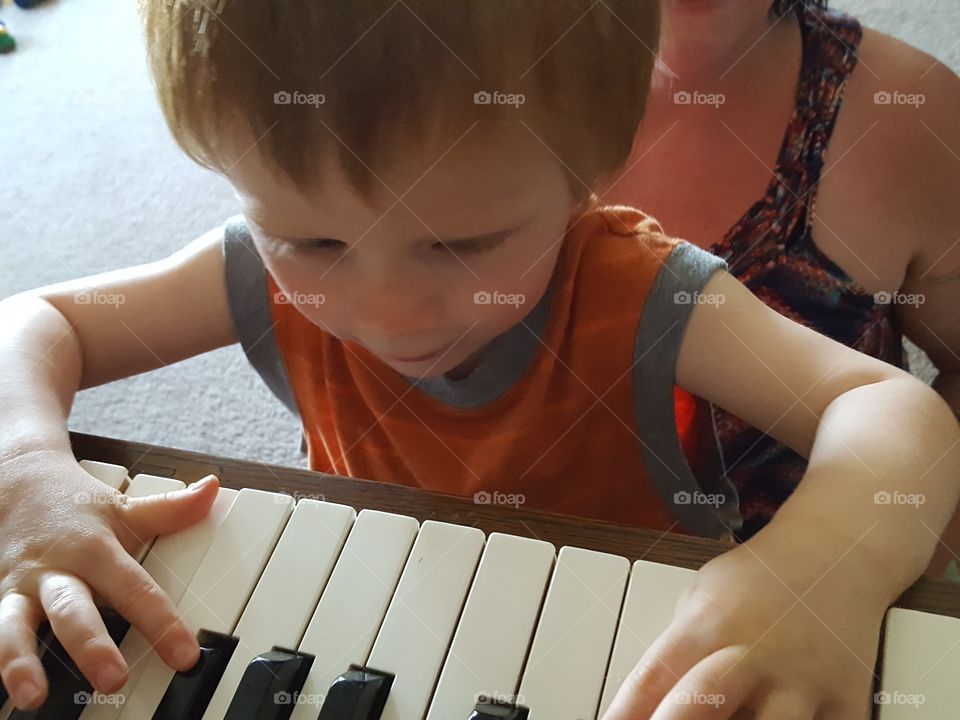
312 611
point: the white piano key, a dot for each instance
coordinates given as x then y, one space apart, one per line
287 594
496 627
564 673
222 584
652 596
113 475
921 667
419 623
171 562
354 601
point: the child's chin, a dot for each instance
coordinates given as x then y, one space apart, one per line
422 368
456 368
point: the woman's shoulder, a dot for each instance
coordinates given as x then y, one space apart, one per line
889 181
901 100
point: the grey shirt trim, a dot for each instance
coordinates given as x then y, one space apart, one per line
709 507
250 308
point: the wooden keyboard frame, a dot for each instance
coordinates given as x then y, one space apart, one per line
927 595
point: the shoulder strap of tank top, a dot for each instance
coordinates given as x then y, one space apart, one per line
830 44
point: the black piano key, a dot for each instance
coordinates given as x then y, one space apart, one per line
491 709
358 694
268 688
189 692
69 691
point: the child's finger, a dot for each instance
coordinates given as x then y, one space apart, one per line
786 706
20 667
76 622
714 689
165 513
662 666
135 595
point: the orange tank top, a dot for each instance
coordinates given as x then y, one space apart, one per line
562 438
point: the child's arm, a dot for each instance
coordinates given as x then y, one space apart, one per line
789 621
141 318
55 548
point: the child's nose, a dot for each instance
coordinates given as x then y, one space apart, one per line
396 314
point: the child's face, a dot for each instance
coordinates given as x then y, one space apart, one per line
460 250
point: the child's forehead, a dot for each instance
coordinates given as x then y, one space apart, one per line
468 179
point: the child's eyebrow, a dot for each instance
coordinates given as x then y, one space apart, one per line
497 235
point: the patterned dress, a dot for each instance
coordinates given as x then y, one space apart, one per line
771 251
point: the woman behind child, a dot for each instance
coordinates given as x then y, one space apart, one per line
820 160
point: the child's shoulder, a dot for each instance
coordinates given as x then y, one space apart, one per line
621 254
625 221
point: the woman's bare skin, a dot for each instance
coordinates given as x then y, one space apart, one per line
888 204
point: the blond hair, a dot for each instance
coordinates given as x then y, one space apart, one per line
381 78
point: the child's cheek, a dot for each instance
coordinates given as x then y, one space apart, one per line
299 284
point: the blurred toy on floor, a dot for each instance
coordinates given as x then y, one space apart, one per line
7 43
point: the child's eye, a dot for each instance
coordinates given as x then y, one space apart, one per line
324 244
469 247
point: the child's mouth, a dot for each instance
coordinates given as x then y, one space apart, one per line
416 358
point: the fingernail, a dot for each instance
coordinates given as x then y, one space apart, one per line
202 483
26 693
108 677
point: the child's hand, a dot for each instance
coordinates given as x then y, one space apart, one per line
784 639
66 537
